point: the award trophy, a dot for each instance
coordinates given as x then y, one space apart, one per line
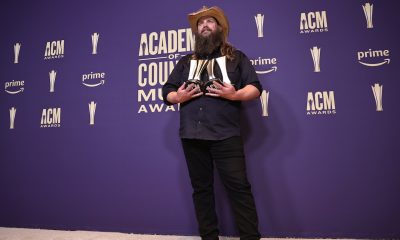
211 77
222 65
196 68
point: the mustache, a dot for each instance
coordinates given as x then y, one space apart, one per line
205 28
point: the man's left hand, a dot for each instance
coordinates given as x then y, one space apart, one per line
225 90
228 91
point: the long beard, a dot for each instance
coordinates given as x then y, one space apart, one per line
204 46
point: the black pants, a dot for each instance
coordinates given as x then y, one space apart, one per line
229 160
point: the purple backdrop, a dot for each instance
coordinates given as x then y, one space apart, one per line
318 175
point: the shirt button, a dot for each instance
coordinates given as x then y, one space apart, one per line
199 122
201 109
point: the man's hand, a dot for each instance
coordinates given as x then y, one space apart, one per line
184 93
228 91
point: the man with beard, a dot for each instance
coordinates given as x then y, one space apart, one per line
209 85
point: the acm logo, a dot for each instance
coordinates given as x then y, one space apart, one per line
321 103
51 117
312 22
54 49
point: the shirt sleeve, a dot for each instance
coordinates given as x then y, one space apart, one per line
175 80
248 73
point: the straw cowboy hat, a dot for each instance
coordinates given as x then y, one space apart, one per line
214 12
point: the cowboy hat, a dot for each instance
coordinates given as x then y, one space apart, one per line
214 12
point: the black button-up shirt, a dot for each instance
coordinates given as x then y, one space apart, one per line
207 117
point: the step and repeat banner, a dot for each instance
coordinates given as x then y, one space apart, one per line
88 144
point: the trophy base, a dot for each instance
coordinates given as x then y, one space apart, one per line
194 84
203 85
210 84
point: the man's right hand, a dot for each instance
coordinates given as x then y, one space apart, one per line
184 94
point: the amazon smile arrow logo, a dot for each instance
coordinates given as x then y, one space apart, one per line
95 84
387 61
15 92
273 69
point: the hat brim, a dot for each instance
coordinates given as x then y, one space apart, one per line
214 12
